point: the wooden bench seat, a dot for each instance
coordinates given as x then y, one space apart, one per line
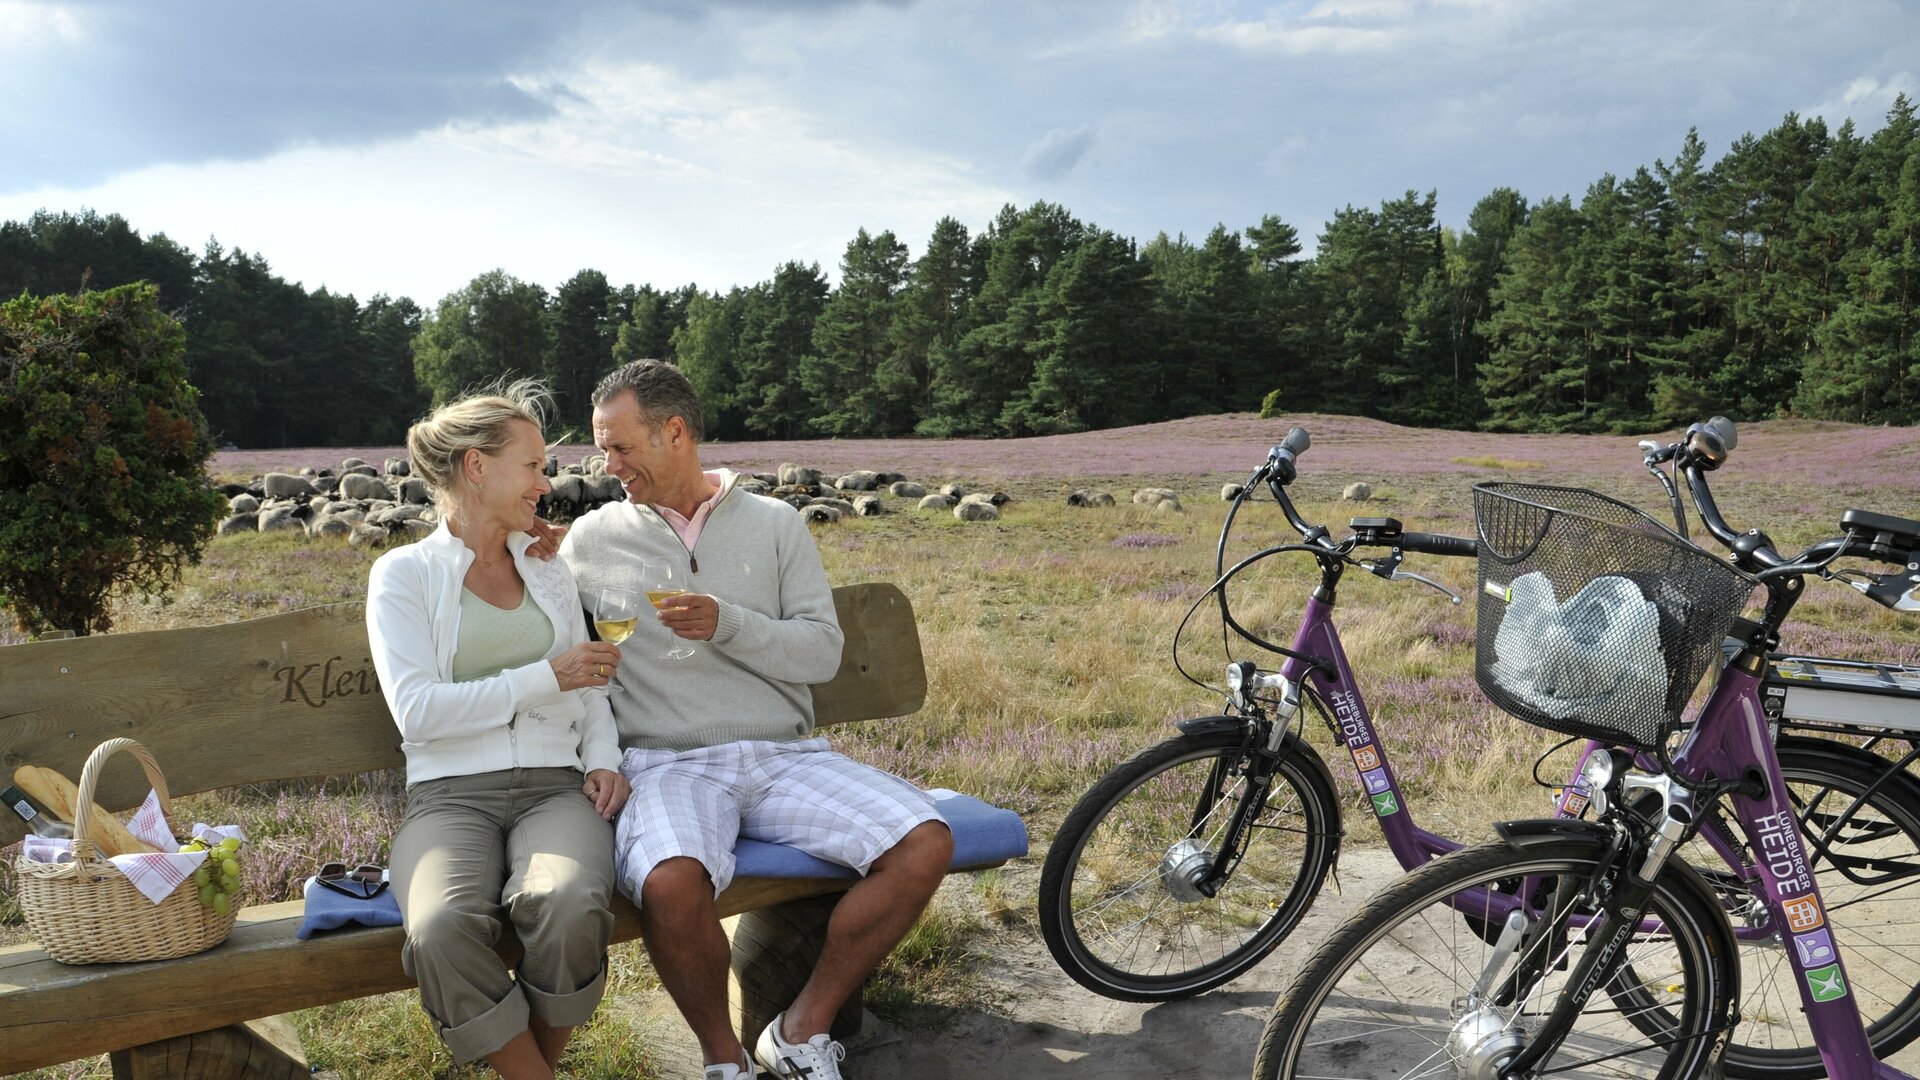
285 697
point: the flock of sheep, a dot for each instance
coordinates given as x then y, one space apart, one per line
371 506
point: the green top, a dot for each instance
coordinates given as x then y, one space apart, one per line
494 639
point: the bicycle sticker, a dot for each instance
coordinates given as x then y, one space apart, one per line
1366 757
1814 948
1376 780
1827 983
1803 914
1384 804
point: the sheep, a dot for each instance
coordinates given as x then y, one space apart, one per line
859 480
907 489
976 510
357 485
286 486
797 474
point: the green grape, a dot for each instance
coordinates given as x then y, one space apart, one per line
221 905
202 878
231 843
230 871
206 896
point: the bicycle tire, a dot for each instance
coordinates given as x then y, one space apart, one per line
1101 878
1882 844
1352 1010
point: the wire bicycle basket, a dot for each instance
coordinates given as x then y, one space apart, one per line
1594 619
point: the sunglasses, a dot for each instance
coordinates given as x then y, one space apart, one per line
363 882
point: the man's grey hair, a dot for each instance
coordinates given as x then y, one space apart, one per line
662 391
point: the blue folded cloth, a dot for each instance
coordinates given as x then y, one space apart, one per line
983 834
329 910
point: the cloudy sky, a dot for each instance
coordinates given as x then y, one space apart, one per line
405 147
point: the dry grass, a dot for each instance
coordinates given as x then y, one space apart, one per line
1047 639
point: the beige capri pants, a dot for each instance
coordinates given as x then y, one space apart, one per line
473 851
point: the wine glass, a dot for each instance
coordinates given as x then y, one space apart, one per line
662 579
615 614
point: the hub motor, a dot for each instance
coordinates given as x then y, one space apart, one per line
1185 865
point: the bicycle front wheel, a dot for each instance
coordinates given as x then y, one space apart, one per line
1119 904
1406 987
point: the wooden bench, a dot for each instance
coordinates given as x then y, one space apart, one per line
294 696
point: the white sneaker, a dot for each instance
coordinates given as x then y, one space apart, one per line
816 1059
729 1072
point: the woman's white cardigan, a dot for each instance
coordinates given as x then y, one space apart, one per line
519 718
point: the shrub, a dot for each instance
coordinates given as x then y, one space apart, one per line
103 455
1270 405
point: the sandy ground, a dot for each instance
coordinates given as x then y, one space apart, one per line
1045 1027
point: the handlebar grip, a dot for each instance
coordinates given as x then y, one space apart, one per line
1462 547
1280 459
1723 428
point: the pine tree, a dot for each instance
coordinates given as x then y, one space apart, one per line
494 328
992 362
1534 329
582 345
704 348
931 313
776 331
853 338
1089 360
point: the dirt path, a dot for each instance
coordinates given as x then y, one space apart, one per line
1045 1027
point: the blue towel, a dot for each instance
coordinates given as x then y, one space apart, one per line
329 910
983 834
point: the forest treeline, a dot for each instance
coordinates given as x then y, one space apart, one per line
1781 279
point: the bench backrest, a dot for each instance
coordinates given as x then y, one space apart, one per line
291 696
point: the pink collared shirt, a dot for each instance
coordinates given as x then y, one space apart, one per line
689 528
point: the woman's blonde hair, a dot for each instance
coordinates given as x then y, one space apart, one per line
482 421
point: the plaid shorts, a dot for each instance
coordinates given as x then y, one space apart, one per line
697 803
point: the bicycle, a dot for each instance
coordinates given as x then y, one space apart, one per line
1155 889
1571 945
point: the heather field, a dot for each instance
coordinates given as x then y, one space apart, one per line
1048 641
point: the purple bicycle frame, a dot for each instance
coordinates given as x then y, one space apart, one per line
1730 737
1410 844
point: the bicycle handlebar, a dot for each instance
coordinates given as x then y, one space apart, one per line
1704 448
1461 547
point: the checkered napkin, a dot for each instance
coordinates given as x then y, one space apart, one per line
156 874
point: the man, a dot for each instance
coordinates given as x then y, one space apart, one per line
720 744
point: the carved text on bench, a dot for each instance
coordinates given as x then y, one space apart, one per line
331 683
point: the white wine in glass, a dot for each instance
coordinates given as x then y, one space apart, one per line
662 578
615 615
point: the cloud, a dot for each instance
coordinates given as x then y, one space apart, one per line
111 87
1866 99
1056 153
635 171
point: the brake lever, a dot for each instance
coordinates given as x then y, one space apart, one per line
1408 575
1902 593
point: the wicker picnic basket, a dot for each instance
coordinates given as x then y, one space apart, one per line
87 912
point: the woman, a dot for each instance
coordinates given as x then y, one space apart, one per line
512 758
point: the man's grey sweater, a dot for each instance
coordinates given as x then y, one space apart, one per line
777 631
